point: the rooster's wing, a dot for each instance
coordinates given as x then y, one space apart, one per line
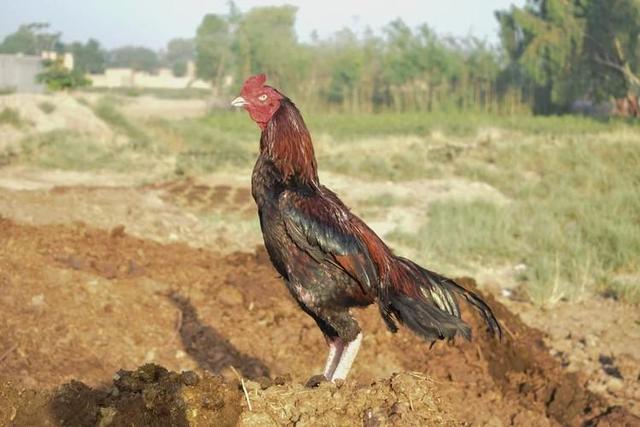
322 228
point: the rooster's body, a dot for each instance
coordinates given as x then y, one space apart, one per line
330 260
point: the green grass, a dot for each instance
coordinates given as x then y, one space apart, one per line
11 117
46 107
389 158
188 93
354 126
68 150
384 200
573 219
455 124
202 147
106 109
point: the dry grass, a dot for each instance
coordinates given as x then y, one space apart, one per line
11 117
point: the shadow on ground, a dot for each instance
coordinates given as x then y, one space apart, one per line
209 348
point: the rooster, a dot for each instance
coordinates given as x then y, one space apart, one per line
330 260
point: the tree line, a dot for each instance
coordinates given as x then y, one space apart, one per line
552 56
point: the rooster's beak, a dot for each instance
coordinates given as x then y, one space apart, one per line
239 102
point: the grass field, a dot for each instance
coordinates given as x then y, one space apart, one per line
570 219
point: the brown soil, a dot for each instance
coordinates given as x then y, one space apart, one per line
80 303
148 396
151 395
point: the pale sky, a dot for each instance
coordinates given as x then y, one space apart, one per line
152 23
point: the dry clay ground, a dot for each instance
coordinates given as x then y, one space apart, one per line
96 281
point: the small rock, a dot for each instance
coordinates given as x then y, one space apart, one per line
189 378
519 268
230 296
369 418
605 360
282 379
608 366
118 231
612 371
106 416
591 340
37 300
265 382
134 268
506 292
399 408
614 385
75 263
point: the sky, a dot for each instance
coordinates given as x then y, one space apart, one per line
152 23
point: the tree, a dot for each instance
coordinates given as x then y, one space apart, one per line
407 69
611 55
265 41
88 57
31 39
212 46
57 77
136 57
347 64
179 53
545 38
573 49
179 69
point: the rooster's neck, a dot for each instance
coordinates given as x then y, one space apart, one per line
287 142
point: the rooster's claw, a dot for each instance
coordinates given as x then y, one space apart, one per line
315 381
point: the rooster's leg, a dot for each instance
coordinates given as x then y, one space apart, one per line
336 347
346 358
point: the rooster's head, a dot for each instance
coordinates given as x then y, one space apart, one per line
260 100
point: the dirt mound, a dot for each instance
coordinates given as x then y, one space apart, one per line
404 399
81 303
47 113
213 216
606 349
151 395
145 107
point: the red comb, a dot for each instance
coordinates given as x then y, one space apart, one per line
255 82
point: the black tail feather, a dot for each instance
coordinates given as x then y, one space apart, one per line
432 311
427 320
478 303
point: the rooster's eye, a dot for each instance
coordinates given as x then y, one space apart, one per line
262 97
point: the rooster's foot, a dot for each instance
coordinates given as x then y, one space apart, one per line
315 381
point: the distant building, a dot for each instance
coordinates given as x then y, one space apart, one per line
18 73
163 78
67 58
